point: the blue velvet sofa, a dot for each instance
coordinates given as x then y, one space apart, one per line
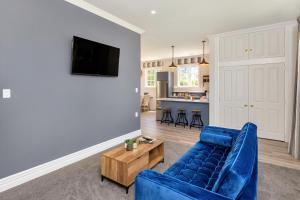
222 165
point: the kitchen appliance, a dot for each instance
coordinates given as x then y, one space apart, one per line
164 85
164 89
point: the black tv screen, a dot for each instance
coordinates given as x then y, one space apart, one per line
92 58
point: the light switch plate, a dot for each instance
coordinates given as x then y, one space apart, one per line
6 93
136 90
136 114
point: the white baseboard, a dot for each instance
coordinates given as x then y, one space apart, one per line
43 169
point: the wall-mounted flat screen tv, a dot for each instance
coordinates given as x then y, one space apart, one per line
93 58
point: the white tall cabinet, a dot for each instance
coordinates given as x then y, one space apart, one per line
250 71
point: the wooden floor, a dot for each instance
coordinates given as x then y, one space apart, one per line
272 152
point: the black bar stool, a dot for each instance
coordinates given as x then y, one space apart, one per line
166 116
196 120
181 118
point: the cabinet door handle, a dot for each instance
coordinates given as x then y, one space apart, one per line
246 50
251 106
245 105
250 49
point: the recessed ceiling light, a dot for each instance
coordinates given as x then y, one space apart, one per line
153 12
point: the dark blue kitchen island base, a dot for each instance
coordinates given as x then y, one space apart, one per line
188 106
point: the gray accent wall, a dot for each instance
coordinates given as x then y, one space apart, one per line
53 113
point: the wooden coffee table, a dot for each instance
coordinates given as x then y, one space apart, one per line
123 166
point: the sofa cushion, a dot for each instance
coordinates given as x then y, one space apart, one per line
201 165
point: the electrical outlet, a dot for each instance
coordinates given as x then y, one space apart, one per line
136 114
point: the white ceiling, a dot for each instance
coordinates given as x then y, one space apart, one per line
185 23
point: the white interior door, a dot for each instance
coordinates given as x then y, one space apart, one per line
233 96
266 100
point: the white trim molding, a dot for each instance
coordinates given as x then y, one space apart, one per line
291 55
43 169
214 43
104 14
253 62
258 28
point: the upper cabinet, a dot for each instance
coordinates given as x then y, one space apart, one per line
233 48
254 45
266 44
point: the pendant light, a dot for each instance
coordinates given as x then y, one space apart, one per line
172 65
203 62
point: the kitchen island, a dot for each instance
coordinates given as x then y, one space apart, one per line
175 103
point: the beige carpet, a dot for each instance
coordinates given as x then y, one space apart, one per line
81 181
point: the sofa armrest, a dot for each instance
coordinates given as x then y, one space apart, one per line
151 185
219 136
218 139
221 130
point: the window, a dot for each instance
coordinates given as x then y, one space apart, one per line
188 76
150 78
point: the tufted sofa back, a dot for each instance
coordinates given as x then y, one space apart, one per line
240 166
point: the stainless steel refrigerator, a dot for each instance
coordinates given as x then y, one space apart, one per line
164 85
164 89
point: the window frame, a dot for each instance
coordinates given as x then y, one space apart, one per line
190 75
147 80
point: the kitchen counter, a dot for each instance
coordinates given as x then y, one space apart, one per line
189 105
182 100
